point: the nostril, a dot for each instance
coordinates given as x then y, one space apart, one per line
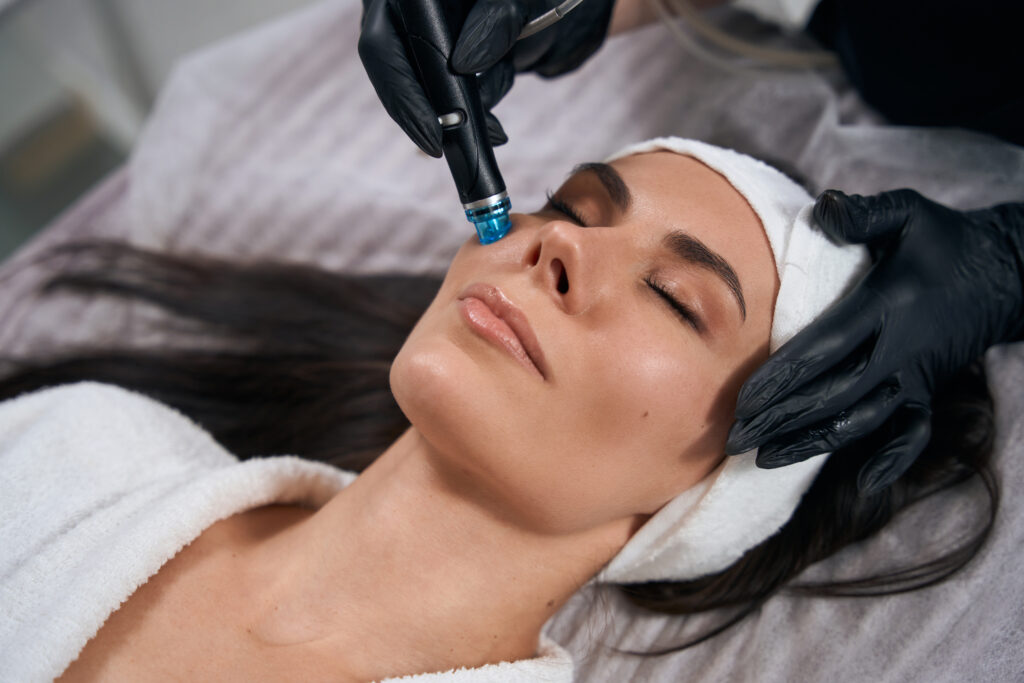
563 279
533 256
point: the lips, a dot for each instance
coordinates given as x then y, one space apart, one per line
492 316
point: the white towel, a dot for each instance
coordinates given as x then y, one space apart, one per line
100 486
737 506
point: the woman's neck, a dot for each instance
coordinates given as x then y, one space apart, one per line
404 572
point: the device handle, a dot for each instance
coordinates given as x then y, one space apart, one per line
428 28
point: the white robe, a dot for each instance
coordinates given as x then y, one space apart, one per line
100 486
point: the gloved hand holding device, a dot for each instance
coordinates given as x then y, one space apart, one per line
486 45
945 286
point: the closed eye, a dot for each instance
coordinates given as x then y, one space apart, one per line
563 208
685 313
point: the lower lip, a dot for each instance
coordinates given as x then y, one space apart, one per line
481 319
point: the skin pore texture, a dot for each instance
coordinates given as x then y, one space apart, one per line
520 477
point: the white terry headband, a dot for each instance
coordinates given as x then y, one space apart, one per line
737 506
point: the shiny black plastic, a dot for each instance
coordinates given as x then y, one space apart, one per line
428 27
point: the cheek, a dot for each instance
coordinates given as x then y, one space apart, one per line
645 423
660 382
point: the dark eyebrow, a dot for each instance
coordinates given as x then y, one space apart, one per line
682 245
692 250
612 181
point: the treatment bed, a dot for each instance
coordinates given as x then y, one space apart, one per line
273 144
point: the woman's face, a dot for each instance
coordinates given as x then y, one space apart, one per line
584 369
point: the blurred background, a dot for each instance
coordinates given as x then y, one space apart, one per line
77 79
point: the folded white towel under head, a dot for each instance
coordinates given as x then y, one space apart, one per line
708 527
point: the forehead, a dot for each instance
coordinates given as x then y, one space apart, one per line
675 192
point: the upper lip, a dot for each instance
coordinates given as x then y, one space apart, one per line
507 311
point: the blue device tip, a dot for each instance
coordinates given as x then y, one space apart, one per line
491 222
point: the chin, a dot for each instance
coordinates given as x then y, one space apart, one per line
429 382
446 397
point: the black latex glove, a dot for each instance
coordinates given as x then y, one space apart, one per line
945 286
486 46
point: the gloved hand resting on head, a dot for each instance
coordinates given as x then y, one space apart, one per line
945 286
486 46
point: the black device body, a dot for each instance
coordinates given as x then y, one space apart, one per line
429 27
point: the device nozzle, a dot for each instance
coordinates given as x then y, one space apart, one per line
491 221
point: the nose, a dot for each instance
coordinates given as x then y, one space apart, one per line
556 258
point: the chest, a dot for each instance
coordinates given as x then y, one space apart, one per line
188 622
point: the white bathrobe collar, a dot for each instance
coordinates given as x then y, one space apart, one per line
101 487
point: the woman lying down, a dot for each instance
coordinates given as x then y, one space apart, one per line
562 406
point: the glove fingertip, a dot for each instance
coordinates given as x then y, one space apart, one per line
749 402
768 383
745 435
875 477
490 31
495 133
427 139
832 213
418 120
466 59
739 440
769 459
856 219
889 465
473 59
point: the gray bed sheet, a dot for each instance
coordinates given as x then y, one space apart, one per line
274 144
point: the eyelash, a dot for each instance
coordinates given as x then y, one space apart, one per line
682 310
561 207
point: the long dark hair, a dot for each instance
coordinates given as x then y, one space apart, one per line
291 358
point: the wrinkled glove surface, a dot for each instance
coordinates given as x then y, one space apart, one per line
486 46
944 286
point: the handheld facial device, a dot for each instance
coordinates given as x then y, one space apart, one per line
428 27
